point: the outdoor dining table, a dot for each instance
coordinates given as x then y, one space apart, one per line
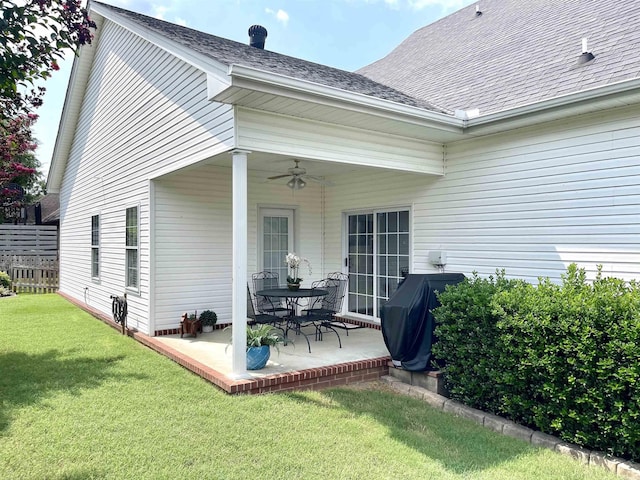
292 297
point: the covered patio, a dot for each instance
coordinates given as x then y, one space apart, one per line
363 356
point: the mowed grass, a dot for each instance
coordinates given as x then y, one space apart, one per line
80 401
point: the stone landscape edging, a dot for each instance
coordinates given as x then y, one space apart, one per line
620 467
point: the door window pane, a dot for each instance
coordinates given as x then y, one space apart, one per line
375 269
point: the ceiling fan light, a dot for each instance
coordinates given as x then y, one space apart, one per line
296 183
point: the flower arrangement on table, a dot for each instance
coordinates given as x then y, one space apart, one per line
294 261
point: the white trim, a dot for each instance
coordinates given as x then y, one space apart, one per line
267 82
200 61
345 253
152 258
291 214
98 246
239 259
136 289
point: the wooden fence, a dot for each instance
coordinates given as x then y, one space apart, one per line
28 240
31 274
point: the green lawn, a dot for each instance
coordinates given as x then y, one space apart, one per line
79 400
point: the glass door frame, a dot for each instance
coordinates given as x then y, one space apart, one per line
272 211
345 253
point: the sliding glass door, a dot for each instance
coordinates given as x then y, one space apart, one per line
378 246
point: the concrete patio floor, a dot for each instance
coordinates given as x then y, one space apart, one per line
209 349
363 357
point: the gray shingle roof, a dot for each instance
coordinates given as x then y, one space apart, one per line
229 52
516 52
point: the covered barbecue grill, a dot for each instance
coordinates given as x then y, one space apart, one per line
407 318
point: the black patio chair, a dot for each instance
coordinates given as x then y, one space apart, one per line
264 281
261 318
331 305
343 278
317 314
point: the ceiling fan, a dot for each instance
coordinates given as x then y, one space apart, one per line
299 176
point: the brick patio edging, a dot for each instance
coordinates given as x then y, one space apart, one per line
309 379
620 467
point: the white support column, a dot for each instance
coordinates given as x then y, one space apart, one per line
240 249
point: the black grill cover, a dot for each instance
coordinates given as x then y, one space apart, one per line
407 319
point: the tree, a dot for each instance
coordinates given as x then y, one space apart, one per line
35 35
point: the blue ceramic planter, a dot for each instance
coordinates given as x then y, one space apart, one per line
257 357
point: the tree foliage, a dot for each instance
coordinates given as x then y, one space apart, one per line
35 35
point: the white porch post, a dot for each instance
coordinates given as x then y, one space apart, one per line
240 248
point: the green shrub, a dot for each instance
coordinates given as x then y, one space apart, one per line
468 340
573 367
564 359
5 280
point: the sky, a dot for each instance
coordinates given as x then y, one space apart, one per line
346 34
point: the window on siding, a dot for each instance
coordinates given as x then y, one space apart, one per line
95 246
132 249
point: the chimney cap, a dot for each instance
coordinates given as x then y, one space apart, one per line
257 35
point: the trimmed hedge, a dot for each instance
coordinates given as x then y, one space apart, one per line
564 359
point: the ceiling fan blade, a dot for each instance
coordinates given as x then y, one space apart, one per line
318 180
278 176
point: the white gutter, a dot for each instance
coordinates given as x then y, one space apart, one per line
588 95
276 83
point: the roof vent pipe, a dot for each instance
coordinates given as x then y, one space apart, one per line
586 55
478 11
257 35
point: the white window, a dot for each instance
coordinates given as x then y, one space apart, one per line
95 246
132 240
378 246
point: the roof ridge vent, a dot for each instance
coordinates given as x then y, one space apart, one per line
586 55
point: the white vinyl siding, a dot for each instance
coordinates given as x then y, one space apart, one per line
95 247
193 230
531 201
144 112
298 137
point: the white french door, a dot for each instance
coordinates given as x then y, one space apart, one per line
275 240
378 246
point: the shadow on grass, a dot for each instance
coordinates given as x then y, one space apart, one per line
29 378
459 445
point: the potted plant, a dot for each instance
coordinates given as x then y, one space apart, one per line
208 318
259 343
293 261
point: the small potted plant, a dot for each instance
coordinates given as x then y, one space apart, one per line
259 343
293 261
208 318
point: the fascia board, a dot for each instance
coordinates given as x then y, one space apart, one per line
71 110
532 113
267 82
200 61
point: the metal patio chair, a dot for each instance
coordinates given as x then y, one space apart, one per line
261 318
263 281
319 312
